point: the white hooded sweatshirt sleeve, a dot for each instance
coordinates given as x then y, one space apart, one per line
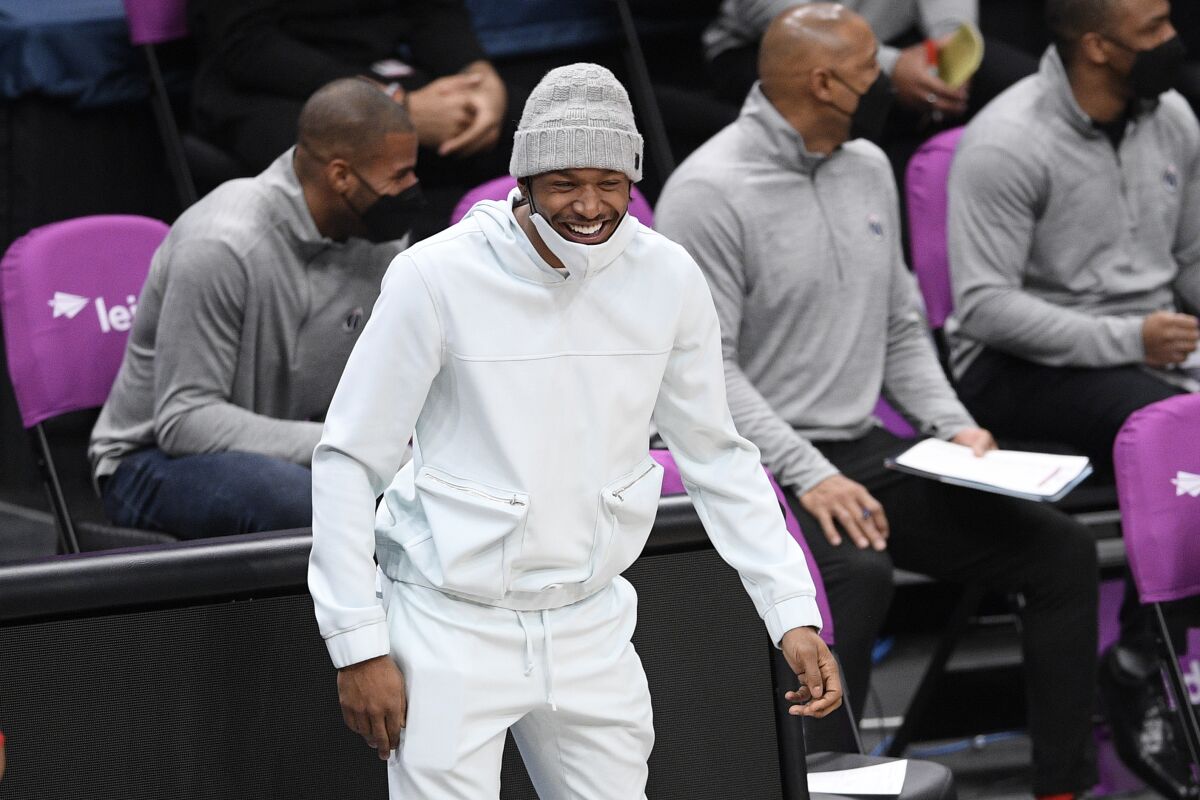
723 475
385 381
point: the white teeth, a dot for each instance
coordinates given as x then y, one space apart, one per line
585 230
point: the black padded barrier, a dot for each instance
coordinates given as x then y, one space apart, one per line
195 671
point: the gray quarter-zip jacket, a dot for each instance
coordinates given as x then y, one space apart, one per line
242 328
743 22
1061 245
818 311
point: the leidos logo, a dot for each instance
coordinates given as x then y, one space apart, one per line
67 305
112 318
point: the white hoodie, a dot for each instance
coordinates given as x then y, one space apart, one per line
532 394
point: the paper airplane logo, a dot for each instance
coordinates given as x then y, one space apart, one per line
1186 483
67 305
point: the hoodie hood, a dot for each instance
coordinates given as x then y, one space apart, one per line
516 252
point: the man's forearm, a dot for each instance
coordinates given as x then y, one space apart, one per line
221 427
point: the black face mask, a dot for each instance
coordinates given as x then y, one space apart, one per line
391 216
1155 70
869 117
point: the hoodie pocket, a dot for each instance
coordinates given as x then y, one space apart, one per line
476 530
628 506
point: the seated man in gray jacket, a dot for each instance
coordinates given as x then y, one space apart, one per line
251 308
797 231
1075 255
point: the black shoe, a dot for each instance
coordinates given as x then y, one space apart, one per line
1145 731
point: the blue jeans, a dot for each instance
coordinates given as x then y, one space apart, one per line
213 494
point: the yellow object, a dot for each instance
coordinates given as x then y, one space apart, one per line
960 56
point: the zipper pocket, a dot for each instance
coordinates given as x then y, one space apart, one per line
512 501
618 492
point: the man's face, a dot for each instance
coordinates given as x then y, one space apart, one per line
389 173
1140 25
858 67
582 205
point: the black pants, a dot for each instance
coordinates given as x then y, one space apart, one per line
963 535
1079 406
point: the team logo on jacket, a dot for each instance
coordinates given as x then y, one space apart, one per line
875 226
1171 178
353 320
1186 483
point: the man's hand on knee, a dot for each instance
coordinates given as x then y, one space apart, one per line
373 702
837 499
820 690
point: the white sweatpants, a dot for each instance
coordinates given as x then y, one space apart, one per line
567 681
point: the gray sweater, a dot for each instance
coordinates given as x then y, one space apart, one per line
242 329
743 22
818 311
1059 244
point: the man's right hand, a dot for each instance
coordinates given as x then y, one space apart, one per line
919 88
373 702
443 108
1169 337
837 498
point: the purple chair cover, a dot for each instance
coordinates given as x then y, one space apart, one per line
1157 461
498 189
68 293
925 187
673 485
892 420
156 21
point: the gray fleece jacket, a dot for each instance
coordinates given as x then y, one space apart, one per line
1061 245
743 22
242 329
818 311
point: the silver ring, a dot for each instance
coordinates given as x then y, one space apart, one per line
866 513
931 98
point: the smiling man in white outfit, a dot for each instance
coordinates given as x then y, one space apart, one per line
530 347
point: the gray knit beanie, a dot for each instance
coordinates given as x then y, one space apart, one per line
577 117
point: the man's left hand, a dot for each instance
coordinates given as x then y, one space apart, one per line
820 689
486 103
978 439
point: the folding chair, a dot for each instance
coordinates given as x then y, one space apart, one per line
498 189
68 295
1157 461
924 780
155 22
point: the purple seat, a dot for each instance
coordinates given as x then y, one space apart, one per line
673 485
1156 457
925 189
498 189
156 21
893 421
68 295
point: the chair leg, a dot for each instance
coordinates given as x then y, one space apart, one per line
1181 698
181 174
68 540
643 89
955 628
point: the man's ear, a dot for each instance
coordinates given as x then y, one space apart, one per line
820 84
337 173
1093 48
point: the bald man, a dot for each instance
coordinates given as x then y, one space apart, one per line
252 306
796 227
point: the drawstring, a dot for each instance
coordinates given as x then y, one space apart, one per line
549 653
528 644
549 659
